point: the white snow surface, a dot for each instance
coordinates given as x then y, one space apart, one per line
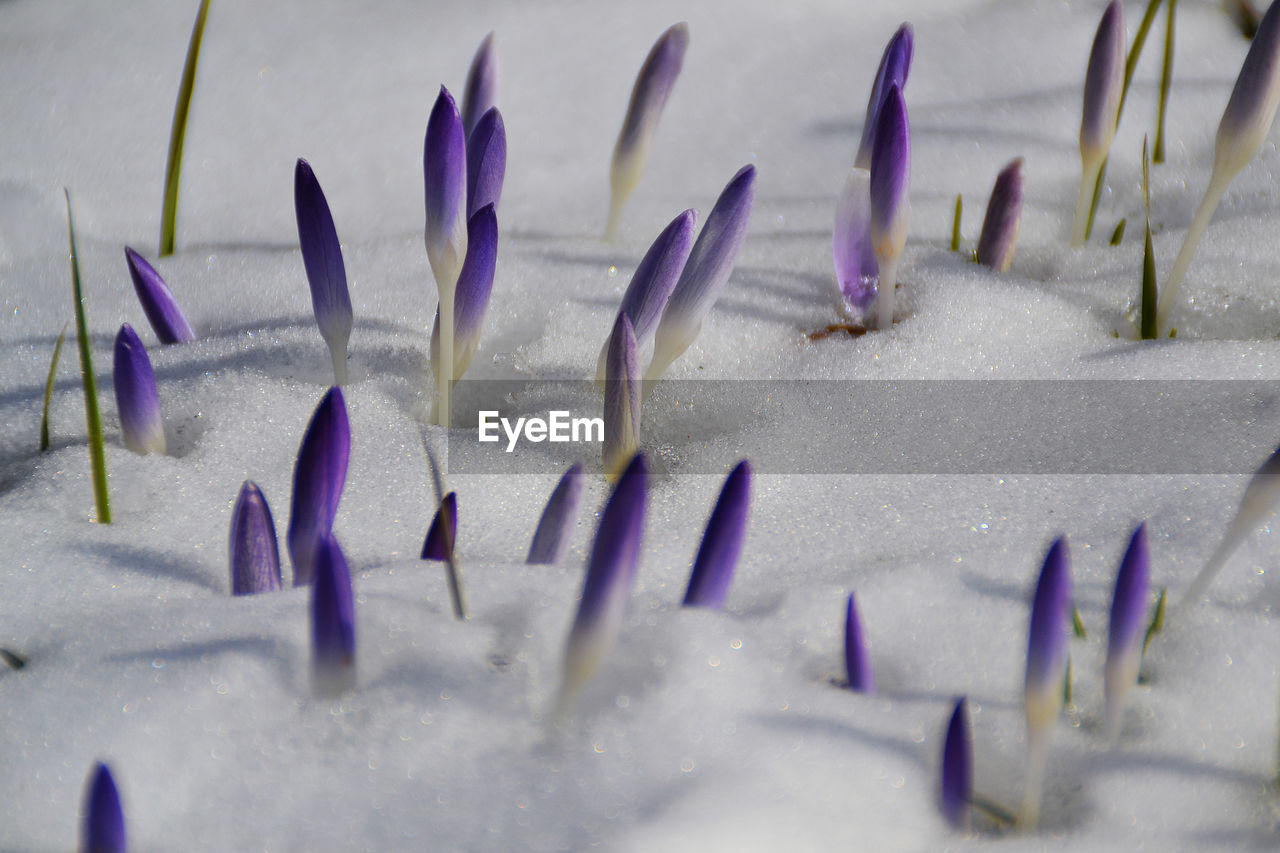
706 730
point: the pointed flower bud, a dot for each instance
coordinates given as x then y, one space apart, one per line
136 399
1004 215
622 390
475 284
333 624
322 258
437 544
486 162
555 527
255 553
653 86
1128 625
705 272
957 768
162 310
1103 93
318 478
103 819
855 259
722 542
895 65
610 572
482 84
1047 638
857 662
890 165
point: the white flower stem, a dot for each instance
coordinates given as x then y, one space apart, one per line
884 292
339 354
444 378
1218 183
1033 791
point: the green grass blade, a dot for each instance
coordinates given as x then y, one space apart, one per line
1135 51
1002 815
1147 326
1157 620
97 453
1077 624
955 226
1118 234
1093 205
48 389
1166 82
178 134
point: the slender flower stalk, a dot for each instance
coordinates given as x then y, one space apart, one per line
322 257
1241 132
957 768
318 478
611 569
141 425
555 527
48 389
93 420
333 623
1103 93
1166 79
890 165
255 552
1004 215
652 88
443 533
1046 669
1128 626
855 258
857 662
162 310
486 162
622 394
722 542
482 84
705 272
475 284
895 65
102 827
178 133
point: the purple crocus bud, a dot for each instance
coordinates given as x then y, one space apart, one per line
437 545
855 259
333 623
653 86
1004 215
103 819
722 542
705 272
890 165
486 162
255 554
1128 625
857 662
162 310
622 392
555 528
654 279
1103 91
895 64
957 768
1046 668
136 399
322 257
475 284
482 85
318 478
610 572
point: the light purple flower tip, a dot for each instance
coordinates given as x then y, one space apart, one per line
1103 84
957 768
622 391
436 546
706 270
162 310
318 478
482 85
255 553
136 399
555 528
855 259
895 65
1252 108
722 542
1004 215
103 818
475 285
333 625
444 166
1047 638
890 165
857 662
322 257
486 162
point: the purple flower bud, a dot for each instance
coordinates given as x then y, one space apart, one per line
722 542
318 478
482 85
705 272
555 528
957 768
162 310
255 554
855 259
444 165
895 64
1004 215
857 662
486 162
610 572
622 390
322 257
1103 84
890 165
471 300
1047 638
333 624
437 545
653 86
136 399
1128 624
103 826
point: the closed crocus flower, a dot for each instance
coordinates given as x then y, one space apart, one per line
555 527
255 552
721 542
957 768
475 286
103 819
1128 625
895 65
326 273
486 162
890 166
1046 668
136 397
333 629
855 259
481 91
442 536
622 393
1103 91
319 476
163 313
857 661
1004 215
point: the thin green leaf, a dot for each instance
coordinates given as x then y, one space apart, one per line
48 389
1097 195
1066 684
1245 16
1166 82
1157 620
1077 624
97 453
1147 328
998 813
955 226
13 660
178 134
1118 234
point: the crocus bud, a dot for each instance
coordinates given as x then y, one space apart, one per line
441 540
1046 668
1004 215
103 819
890 165
895 65
1103 92
957 768
622 392
486 162
475 285
555 527
255 553
482 84
162 310
855 259
326 274
318 478
136 398
722 542
333 626
1128 625
857 662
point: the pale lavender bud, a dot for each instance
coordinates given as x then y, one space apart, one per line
1047 638
486 162
1103 84
722 542
475 285
622 391
895 65
1004 215
1128 624
333 624
890 165
555 527
857 662
318 478
255 553
957 768
141 426
444 166
103 818
482 84
855 259
162 310
439 543
322 258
